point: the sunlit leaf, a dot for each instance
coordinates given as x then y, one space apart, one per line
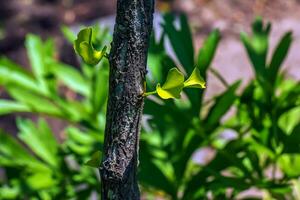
289 164
9 192
79 137
12 73
78 148
39 181
35 102
48 137
41 141
71 77
173 85
39 53
195 80
68 34
83 46
11 149
8 106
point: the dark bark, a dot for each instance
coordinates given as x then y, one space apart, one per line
128 58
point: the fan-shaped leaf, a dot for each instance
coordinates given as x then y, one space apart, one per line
173 85
83 46
195 80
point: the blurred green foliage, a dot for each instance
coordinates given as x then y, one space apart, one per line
264 119
39 166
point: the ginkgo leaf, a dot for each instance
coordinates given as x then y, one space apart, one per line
83 46
95 160
173 85
195 80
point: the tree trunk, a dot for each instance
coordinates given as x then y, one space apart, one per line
128 59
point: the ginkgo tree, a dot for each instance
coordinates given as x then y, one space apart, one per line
128 60
127 79
172 88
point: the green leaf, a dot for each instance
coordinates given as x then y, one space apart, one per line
204 60
9 192
39 54
7 106
13 74
224 158
279 55
222 104
173 85
150 174
181 40
289 164
11 149
48 137
35 102
258 26
238 184
292 142
208 50
78 148
99 88
195 80
35 53
257 47
41 141
95 161
288 120
77 136
158 62
38 181
68 34
72 110
71 78
83 46
256 53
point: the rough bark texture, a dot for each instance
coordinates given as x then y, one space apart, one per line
128 58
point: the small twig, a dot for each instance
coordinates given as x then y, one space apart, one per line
218 76
149 93
207 102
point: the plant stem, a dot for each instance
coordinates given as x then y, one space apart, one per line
149 93
128 59
218 76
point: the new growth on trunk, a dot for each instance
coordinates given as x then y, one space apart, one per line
128 59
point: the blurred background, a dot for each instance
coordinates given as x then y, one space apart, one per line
45 18
50 19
